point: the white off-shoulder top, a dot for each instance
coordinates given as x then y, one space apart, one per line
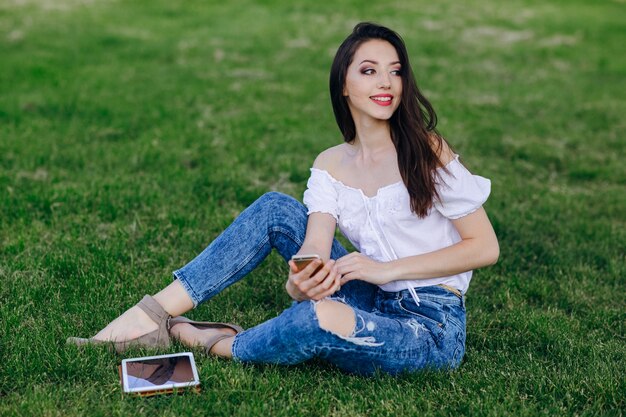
383 227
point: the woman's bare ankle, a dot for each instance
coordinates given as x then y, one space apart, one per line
191 336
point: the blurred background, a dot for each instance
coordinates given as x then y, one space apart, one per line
132 133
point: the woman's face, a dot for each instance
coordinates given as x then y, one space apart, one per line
373 85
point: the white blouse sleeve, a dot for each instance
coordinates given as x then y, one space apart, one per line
460 192
321 195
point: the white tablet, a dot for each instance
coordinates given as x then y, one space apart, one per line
159 374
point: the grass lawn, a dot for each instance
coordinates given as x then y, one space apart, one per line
132 133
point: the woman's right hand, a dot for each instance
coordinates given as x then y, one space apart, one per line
301 285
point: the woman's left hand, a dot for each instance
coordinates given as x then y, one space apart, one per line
358 266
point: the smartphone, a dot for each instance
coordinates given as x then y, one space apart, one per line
162 374
302 261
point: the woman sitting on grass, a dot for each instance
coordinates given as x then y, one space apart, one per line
396 191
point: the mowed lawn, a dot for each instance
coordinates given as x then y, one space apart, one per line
132 133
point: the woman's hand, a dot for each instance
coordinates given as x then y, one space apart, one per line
355 265
301 285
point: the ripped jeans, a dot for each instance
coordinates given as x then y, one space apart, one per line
393 334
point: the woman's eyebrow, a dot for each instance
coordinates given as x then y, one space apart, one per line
376 63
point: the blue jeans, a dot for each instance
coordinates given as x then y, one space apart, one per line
393 333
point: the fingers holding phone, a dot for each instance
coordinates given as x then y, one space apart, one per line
328 285
311 278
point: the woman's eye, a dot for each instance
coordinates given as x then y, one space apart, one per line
368 71
396 72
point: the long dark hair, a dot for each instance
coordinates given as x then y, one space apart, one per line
413 124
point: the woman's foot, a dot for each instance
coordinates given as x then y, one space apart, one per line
135 322
132 324
144 325
192 336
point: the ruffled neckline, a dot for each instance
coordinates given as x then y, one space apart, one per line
336 181
383 188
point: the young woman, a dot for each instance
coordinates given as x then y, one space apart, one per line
396 191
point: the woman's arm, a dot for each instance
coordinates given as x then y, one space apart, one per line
301 285
320 232
478 247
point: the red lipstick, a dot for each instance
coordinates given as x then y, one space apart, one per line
382 99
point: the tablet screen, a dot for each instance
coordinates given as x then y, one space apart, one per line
163 372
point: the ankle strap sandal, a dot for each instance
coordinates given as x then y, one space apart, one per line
208 345
158 338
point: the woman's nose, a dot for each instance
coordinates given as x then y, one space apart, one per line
384 81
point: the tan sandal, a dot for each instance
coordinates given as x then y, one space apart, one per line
207 325
158 338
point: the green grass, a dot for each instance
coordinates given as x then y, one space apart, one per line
132 133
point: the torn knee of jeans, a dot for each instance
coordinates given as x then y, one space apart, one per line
339 298
350 330
335 317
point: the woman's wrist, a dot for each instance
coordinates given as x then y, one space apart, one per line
289 289
292 291
389 272
393 271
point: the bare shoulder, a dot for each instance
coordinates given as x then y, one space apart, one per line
329 159
442 149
